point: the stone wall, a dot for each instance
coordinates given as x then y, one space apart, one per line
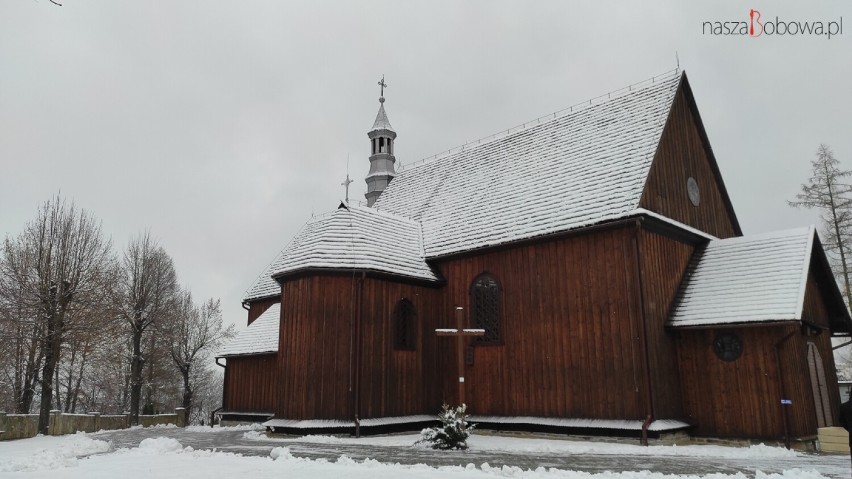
18 426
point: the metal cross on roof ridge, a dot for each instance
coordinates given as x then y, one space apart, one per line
383 85
346 184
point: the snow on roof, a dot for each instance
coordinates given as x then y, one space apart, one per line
747 279
579 169
582 168
264 286
357 237
260 337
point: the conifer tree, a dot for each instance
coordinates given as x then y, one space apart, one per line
828 191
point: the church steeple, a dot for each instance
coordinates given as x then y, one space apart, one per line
382 161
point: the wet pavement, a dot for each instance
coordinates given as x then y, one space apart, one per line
227 440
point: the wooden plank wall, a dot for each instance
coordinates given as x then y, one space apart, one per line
250 383
317 350
816 311
400 382
742 398
681 154
570 321
664 262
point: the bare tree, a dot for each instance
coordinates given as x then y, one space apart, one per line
146 289
58 265
196 333
827 192
20 351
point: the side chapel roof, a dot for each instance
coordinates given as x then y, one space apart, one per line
751 279
260 337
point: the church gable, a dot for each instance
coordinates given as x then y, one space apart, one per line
684 182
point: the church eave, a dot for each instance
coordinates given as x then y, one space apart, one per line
654 222
367 272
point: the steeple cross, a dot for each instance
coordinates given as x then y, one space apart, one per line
383 85
346 184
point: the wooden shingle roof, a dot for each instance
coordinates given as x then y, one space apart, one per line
587 166
260 337
583 168
356 237
758 278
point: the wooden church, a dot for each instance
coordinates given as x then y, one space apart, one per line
601 255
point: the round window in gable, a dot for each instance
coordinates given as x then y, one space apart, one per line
692 191
727 346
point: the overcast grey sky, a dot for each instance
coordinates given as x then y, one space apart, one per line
221 126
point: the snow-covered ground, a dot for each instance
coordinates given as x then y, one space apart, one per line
157 455
531 445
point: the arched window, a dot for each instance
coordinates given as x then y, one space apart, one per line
405 325
485 307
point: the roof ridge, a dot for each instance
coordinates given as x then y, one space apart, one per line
567 111
380 212
787 232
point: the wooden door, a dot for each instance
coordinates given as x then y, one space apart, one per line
819 387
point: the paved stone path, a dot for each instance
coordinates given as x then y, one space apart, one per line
835 466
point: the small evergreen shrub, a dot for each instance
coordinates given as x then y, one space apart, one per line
453 431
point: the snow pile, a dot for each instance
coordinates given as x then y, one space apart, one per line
215 429
280 453
47 452
159 445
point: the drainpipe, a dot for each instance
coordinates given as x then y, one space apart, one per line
358 317
781 389
649 395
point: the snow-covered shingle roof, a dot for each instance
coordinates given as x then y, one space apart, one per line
746 279
583 168
260 337
357 238
264 286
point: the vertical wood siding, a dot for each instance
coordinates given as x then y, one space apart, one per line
250 383
664 262
743 398
681 154
318 354
570 320
816 311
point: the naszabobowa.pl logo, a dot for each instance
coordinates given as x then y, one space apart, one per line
755 26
